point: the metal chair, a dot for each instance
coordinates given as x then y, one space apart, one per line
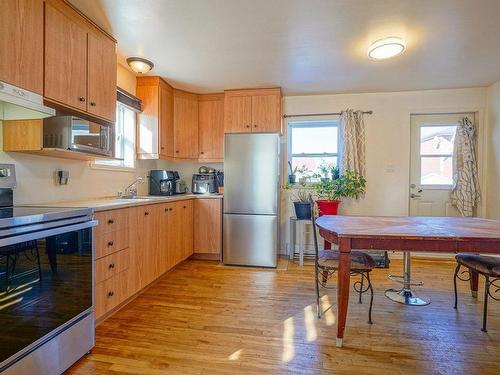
326 265
476 264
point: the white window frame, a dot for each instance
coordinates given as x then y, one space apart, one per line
316 124
118 165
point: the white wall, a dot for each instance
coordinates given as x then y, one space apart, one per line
493 144
388 139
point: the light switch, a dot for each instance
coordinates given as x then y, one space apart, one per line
62 177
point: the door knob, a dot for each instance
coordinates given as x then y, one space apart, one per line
414 195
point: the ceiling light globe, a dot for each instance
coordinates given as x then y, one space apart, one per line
386 48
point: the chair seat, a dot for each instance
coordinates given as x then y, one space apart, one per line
360 261
487 265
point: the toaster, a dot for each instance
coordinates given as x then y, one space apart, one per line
204 183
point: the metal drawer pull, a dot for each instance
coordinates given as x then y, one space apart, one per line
146 213
110 243
111 221
111 294
112 265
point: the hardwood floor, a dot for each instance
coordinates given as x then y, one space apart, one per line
202 318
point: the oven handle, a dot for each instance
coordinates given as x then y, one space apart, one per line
47 233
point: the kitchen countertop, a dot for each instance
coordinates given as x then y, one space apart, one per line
104 204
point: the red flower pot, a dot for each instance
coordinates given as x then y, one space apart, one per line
328 207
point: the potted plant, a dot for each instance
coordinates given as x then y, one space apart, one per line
293 172
325 169
346 185
300 202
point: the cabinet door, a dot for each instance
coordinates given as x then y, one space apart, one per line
165 233
186 208
185 125
21 27
211 127
266 113
237 114
166 118
208 226
147 236
175 234
65 59
101 76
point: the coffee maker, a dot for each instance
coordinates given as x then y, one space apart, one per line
163 182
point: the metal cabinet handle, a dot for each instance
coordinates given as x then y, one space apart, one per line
255 126
81 98
111 293
170 209
111 221
110 243
248 126
92 104
202 152
176 151
112 265
146 213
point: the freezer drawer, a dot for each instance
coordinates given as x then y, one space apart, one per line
250 240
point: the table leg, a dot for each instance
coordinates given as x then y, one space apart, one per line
343 284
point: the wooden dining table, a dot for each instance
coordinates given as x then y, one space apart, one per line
429 234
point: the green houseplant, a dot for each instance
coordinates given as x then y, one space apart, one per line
347 184
300 202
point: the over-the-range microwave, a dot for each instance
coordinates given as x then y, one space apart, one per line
73 133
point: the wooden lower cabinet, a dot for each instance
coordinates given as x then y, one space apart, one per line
134 246
207 228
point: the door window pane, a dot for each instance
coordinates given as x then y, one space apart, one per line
436 170
437 140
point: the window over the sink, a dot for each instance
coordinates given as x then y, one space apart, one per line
125 130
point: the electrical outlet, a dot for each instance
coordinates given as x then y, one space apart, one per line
62 177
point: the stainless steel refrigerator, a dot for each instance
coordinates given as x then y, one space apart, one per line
251 199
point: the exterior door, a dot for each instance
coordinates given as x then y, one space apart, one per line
431 164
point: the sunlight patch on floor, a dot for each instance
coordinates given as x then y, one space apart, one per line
309 322
288 345
327 313
235 356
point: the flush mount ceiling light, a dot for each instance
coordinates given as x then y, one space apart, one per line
140 65
386 48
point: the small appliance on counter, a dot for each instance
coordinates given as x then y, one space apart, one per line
163 182
204 182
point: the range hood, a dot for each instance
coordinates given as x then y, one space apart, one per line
21 104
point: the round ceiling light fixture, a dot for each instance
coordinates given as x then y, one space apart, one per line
386 48
140 65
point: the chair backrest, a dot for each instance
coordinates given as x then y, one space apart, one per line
313 220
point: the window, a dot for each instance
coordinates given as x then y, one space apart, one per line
436 154
313 143
124 139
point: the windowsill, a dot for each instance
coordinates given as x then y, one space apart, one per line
112 168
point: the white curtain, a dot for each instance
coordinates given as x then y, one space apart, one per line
352 129
465 194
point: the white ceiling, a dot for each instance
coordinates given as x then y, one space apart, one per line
307 46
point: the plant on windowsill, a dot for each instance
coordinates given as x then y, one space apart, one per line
300 202
293 173
347 184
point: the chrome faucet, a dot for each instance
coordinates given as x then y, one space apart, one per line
131 190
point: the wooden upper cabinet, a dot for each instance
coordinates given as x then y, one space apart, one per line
101 76
266 113
211 127
166 122
21 44
156 122
185 125
65 59
237 114
252 110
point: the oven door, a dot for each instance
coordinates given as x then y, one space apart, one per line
90 137
46 286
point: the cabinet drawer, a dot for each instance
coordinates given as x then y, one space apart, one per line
111 265
109 243
110 221
110 293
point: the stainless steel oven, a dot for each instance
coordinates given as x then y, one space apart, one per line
46 288
74 133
